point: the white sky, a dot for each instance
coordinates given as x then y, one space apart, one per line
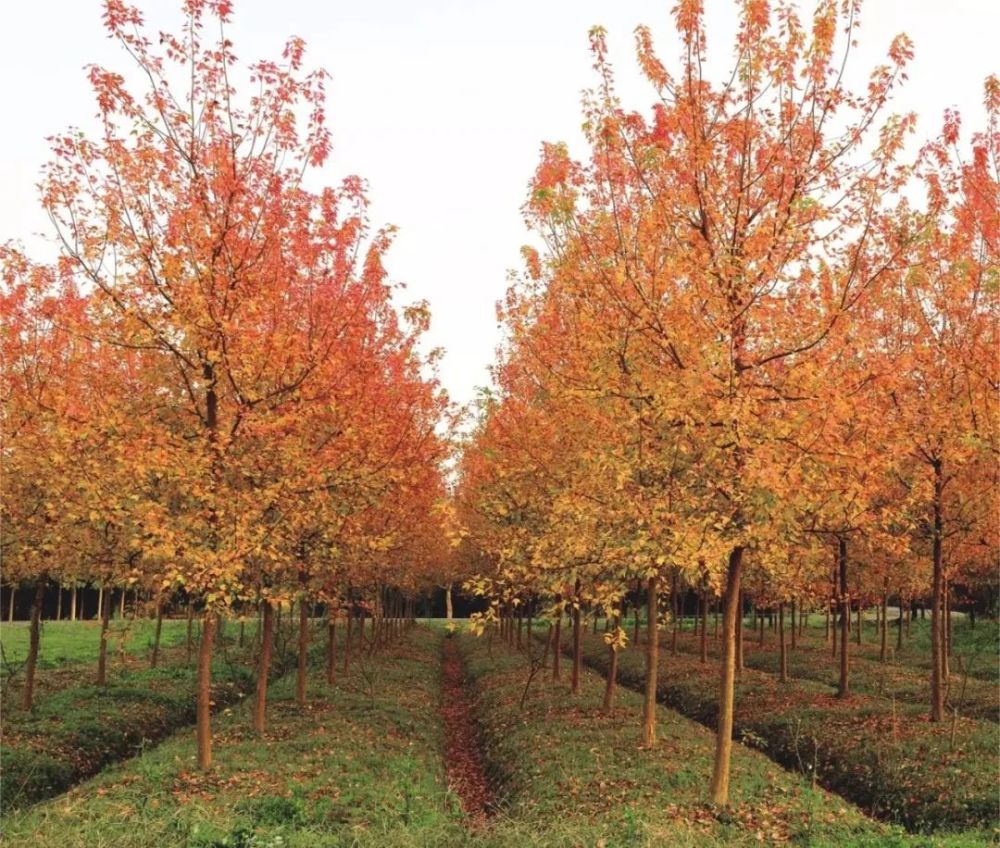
442 107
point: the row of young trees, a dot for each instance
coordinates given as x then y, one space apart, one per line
211 391
758 349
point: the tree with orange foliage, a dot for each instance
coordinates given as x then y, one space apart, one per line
189 220
737 229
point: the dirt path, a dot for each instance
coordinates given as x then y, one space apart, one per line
463 748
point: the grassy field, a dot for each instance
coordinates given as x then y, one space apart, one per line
79 641
360 764
883 755
363 764
571 775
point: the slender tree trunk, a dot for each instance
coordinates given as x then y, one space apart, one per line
203 729
675 608
946 635
331 648
843 687
100 602
719 789
783 649
34 636
949 632
300 677
577 648
557 646
760 633
264 665
157 628
10 602
860 625
704 627
899 624
520 628
121 605
794 626
638 593
884 627
937 592
612 677
59 594
72 603
652 664
449 610
102 655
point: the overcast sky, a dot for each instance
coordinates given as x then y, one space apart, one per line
442 107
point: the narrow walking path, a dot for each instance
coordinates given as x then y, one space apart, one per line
463 748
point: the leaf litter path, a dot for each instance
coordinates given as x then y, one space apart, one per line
463 747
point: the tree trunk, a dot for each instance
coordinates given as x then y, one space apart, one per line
557 646
794 627
719 789
10 602
264 666
449 611
102 655
203 728
157 628
300 676
100 602
331 649
638 592
59 595
121 605
948 631
72 604
652 664
577 649
612 677
884 627
675 608
783 649
843 686
704 627
28 696
858 634
937 592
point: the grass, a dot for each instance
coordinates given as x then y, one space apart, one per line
78 730
893 679
65 642
571 775
885 757
360 764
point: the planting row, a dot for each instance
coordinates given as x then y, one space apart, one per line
879 753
